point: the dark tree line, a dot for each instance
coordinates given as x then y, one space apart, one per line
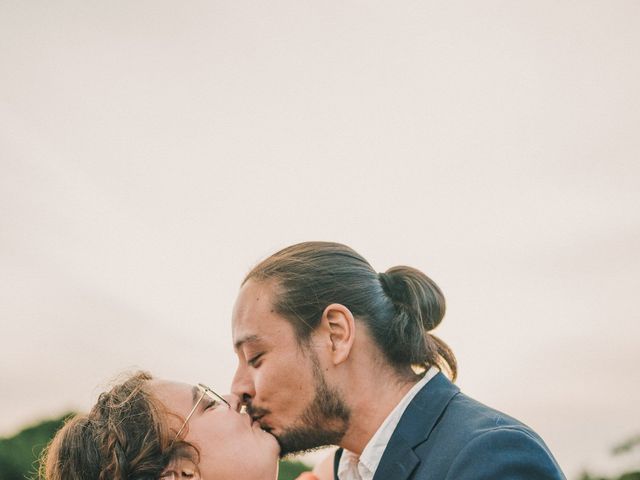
623 448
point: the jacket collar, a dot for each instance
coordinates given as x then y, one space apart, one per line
415 426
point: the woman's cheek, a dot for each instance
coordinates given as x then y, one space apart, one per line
202 434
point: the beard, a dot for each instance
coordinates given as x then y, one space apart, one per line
323 422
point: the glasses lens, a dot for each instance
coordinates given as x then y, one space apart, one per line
213 396
215 399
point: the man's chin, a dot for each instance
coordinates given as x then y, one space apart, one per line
302 440
282 439
289 455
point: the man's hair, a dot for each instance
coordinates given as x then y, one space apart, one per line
125 435
399 307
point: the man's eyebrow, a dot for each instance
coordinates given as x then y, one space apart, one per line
246 339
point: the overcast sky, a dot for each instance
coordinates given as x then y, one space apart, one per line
152 152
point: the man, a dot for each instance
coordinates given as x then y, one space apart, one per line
330 352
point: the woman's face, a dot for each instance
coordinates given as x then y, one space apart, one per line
230 445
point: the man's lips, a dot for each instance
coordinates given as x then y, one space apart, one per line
257 418
258 414
254 422
263 425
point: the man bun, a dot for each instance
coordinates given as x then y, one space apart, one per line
419 307
413 292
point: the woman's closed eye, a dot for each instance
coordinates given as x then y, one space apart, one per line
173 475
211 404
179 473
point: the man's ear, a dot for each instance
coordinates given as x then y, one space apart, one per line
339 322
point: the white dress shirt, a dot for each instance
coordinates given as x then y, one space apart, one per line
352 467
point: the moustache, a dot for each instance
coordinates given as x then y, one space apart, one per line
256 412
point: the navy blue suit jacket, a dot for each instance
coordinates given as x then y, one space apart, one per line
445 435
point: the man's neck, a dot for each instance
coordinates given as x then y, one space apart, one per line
374 398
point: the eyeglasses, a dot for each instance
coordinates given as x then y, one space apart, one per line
204 392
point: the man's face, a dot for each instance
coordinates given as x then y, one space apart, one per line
280 379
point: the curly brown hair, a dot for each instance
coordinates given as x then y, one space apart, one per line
125 436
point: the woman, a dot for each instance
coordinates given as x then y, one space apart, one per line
145 428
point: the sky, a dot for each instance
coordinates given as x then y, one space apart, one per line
152 152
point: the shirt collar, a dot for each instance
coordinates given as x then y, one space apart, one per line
367 463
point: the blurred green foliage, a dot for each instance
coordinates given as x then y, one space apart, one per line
627 445
19 454
290 469
625 476
623 448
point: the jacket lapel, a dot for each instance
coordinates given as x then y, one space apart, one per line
416 423
398 461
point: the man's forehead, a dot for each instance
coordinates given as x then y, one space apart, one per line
253 298
251 306
247 339
255 319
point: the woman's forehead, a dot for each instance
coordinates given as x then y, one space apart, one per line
177 396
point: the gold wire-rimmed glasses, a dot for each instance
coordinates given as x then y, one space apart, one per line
204 392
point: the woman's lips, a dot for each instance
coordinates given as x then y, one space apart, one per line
259 419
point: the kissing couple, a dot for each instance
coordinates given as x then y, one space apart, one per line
330 352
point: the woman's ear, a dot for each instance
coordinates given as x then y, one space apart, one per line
340 324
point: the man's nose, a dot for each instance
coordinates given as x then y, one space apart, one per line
242 385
